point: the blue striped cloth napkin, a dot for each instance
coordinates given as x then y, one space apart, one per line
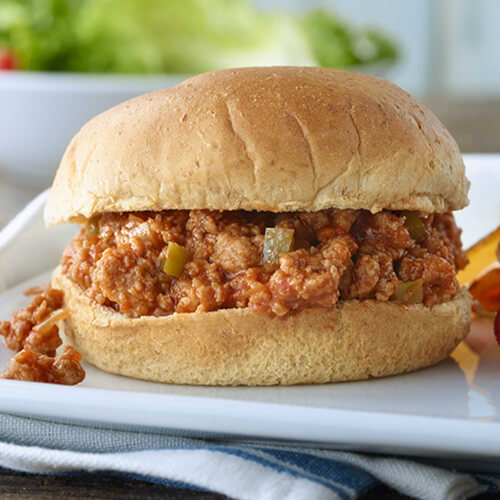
239 469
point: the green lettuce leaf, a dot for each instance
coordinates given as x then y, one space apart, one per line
177 36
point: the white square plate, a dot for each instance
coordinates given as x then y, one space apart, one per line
449 410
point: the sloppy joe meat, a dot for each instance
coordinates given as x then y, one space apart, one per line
338 255
31 366
21 332
32 332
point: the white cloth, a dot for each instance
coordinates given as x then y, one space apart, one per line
242 470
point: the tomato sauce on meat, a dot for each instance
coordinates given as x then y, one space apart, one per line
33 334
338 255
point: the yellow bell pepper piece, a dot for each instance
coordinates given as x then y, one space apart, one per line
176 258
277 240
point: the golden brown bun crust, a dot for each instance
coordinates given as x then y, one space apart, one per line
356 340
275 139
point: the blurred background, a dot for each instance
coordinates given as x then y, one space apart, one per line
63 61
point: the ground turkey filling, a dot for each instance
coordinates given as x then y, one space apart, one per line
337 255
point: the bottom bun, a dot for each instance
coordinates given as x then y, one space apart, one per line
356 340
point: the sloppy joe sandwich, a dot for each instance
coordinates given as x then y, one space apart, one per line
263 226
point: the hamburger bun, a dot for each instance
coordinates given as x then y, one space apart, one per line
271 139
355 340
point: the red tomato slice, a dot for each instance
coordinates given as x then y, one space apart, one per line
7 60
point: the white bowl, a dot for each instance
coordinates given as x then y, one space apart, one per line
40 113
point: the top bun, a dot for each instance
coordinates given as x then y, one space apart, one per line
275 139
